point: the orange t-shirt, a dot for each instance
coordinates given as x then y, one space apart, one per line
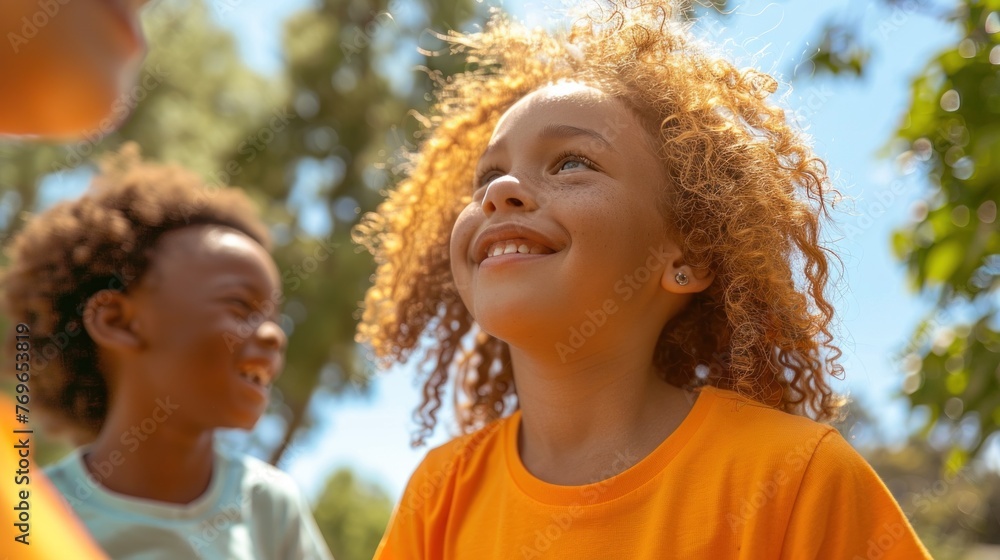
737 479
38 525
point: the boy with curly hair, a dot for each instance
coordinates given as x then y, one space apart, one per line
154 305
612 238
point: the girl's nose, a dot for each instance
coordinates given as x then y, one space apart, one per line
507 193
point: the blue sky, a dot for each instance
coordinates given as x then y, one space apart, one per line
848 120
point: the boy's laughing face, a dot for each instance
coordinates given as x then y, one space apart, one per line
205 324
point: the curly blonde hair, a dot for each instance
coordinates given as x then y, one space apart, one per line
106 239
745 198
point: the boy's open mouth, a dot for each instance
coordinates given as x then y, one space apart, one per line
257 375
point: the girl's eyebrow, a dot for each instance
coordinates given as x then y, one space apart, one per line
564 131
558 132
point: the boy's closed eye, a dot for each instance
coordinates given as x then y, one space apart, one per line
246 306
241 305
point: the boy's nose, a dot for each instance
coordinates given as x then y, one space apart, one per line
507 193
271 335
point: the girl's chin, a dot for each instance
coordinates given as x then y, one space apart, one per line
522 333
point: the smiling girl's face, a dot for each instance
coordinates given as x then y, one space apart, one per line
570 182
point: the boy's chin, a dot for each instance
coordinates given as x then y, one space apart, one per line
246 425
243 422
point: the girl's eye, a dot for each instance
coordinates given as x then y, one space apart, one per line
567 161
574 161
486 176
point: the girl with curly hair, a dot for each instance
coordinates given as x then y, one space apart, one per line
611 238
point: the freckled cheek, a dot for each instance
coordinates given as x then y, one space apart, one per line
605 243
599 221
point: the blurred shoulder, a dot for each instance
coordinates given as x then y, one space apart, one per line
257 480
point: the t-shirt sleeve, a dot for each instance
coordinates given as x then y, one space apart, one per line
283 518
404 537
303 539
844 511
52 530
417 526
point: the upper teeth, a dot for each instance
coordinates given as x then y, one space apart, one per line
506 247
255 374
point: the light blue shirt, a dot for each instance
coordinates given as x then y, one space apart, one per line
250 511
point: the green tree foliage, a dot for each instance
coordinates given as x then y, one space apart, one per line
952 249
315 146
352 515
355 97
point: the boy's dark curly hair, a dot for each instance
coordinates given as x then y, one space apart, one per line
105 239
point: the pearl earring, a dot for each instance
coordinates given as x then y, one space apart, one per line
681 278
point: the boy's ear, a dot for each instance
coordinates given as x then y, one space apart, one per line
679 277
109 317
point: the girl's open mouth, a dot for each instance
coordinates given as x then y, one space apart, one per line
521 247
510 258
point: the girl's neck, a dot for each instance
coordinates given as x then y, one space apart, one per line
585 422
143 456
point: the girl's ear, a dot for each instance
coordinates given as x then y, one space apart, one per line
109 317
679 277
